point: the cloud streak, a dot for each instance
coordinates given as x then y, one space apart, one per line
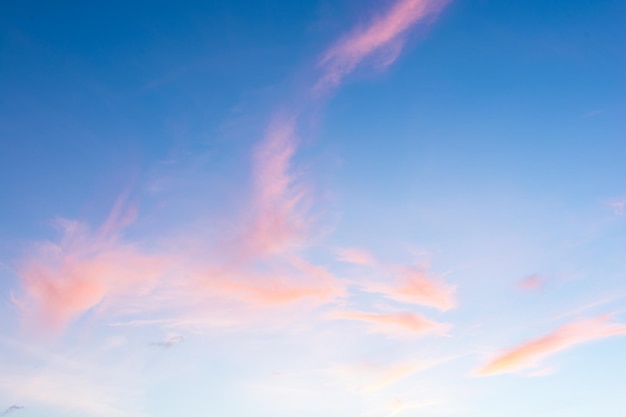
414 286
384 36
402 324
531 353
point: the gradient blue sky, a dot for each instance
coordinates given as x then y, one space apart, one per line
248 208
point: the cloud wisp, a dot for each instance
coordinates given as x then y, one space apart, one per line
396 324
12 409
533 352
383 37
169 341
262 264
414 286
63 280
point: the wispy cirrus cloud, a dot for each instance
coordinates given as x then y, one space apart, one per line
415 286
396 324
384 36
62 280
260 265
531 353
278 222
282 281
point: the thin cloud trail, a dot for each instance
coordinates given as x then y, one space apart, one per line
400 324
414 286
531 353
384 35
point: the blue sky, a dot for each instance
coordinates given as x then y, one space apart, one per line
341 208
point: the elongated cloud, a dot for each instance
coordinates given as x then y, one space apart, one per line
416 287
292 281
383 36
570 335
277 223
395 323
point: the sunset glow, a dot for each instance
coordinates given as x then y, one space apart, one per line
313 208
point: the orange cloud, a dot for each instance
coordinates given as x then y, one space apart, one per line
383 36
416 287
395 323
531 353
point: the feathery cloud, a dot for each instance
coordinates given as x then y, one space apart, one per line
400 324
383 36
62 280
565 337
416 287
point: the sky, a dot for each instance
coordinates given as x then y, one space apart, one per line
313 208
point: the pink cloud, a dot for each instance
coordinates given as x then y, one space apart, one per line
276 207
532 283
565 337
262 267
61 281
416 287
355 256
384 36
282 284
395 323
